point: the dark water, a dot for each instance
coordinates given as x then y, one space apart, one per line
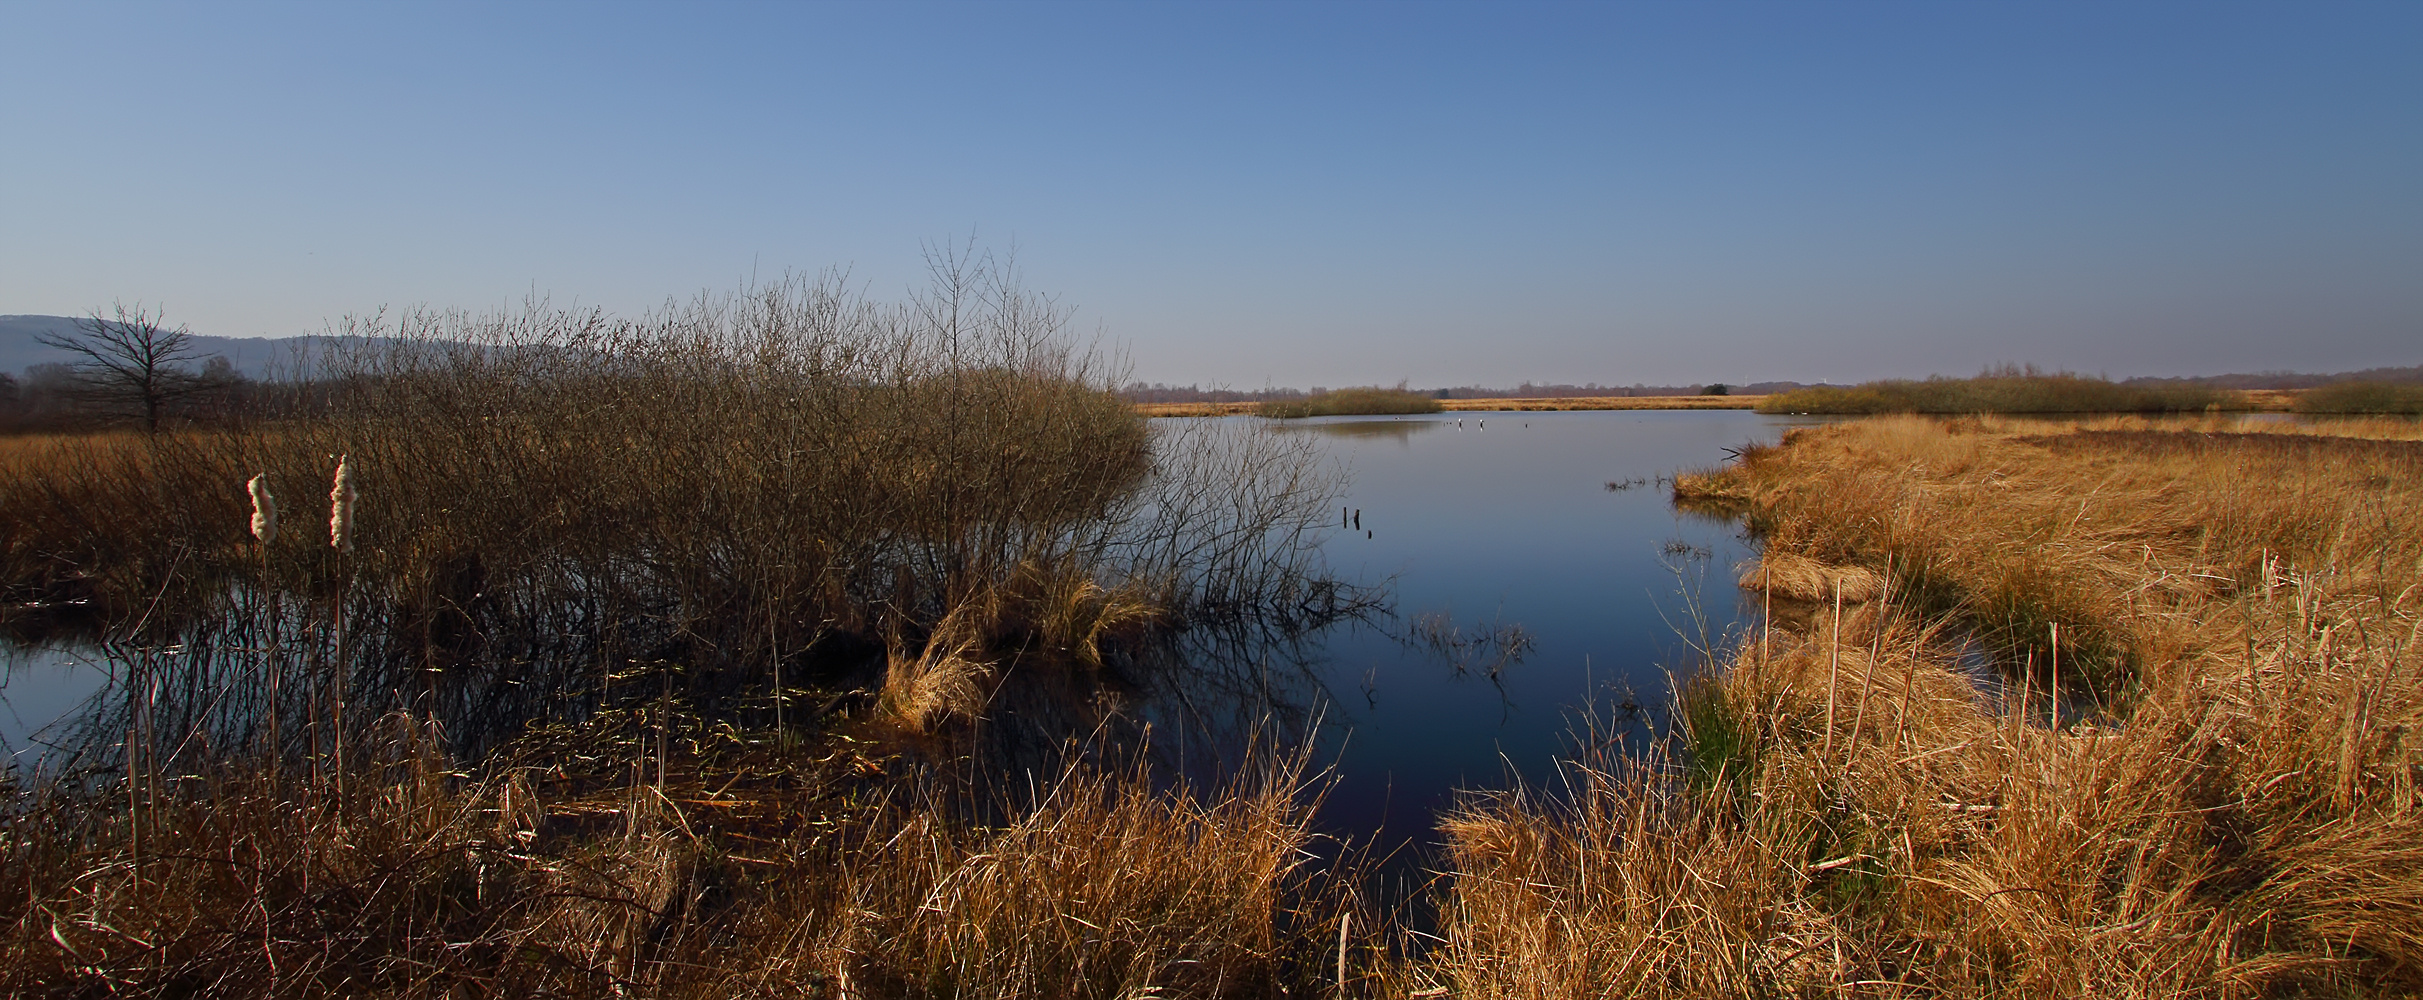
41 690
1512 525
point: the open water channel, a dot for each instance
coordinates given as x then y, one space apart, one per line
1547 534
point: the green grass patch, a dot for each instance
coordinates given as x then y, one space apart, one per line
1722 749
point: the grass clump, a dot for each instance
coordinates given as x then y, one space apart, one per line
2372 398
1348 402
2005 390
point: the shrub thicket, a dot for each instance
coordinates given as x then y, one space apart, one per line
2361 397
793 478
726 649
1995 391
1348 402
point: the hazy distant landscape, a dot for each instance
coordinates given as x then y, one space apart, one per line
258 356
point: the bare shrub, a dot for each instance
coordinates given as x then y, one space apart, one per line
794 477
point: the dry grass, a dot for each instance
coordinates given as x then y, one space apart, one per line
2222 801
1795 577
554 873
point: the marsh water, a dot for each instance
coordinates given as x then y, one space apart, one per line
1544 587
1535 574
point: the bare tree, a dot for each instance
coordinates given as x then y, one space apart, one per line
131 361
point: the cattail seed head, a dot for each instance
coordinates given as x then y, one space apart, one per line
340 507
264 510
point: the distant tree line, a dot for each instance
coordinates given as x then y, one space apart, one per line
1156 392
2288 380
1140 392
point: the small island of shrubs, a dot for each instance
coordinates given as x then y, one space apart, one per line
1343 402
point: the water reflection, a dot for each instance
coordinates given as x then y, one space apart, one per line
1398 429
1514 530
42 690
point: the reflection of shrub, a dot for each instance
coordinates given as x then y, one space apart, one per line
2004 390
1341 402
2362 397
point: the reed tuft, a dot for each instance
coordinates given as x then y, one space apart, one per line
341 496
264 510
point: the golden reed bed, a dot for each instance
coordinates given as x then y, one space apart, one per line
1877 797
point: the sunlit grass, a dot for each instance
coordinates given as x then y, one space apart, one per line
2129 720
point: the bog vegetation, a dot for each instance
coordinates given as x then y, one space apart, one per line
1344 402
1998 390
2120 710
791 643
775 641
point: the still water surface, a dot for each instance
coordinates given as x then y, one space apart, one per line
1487 521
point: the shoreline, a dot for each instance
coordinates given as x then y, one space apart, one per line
1514 404
2244 401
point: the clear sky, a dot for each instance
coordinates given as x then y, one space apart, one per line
1290 194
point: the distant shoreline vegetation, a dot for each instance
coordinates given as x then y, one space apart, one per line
2362 397
2001 390
1341 402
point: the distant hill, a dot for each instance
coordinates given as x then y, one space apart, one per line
254 356
258 356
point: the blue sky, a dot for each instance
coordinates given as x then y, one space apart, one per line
1291 194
